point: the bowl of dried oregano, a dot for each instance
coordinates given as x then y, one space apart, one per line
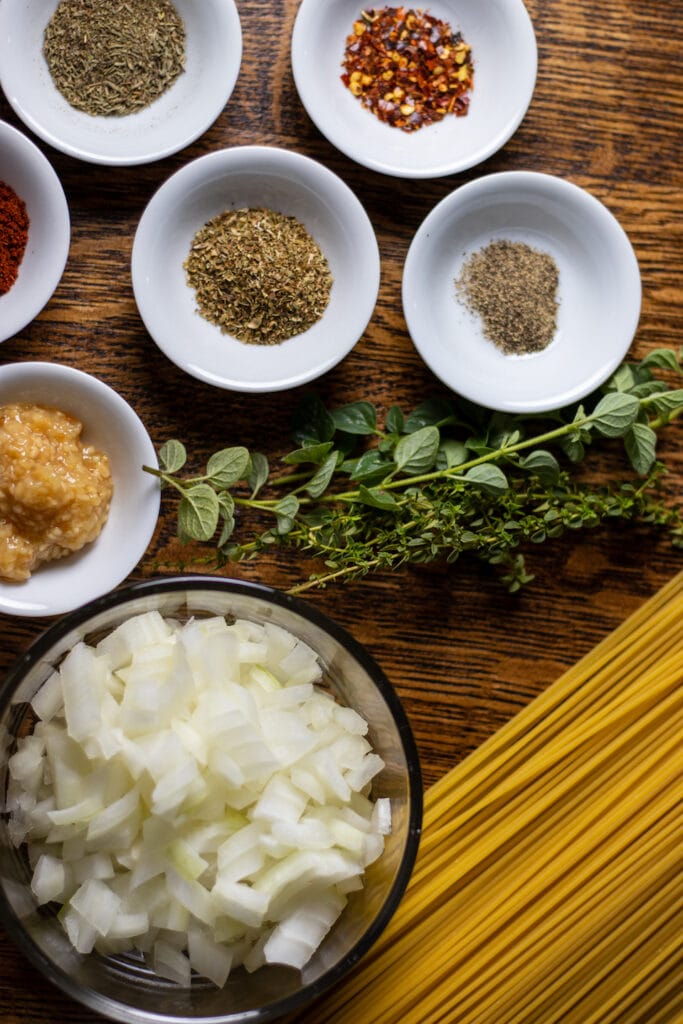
122 82
255 268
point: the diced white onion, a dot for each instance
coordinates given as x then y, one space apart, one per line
190 792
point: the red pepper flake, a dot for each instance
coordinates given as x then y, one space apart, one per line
408 67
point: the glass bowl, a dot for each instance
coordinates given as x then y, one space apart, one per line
121 987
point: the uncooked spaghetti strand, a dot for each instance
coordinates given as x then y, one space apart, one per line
642 694
398 946
654 1005
644 625
525 808
562 955
487 963
424 931
560 917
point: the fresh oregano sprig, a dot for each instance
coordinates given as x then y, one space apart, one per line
448 478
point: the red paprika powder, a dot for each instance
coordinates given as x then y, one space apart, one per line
13 235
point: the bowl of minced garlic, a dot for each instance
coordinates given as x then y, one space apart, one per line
76 510
55 491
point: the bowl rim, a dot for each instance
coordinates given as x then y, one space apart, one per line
60 222
182 188
507 183
324 118
24 375
196 582
87 152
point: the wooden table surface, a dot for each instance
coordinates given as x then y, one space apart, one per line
462 653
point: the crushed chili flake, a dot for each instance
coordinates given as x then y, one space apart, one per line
408 67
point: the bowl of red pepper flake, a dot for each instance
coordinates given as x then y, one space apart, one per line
415 92
35 231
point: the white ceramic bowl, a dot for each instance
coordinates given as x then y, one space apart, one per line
244 177
182 114
24 168
599 291
112 426
504 53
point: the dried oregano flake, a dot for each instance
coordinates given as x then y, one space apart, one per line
114 57
258 275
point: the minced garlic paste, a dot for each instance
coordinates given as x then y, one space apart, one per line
54 490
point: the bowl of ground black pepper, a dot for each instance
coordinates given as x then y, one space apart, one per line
521 291
415 92
255 268
35 231
119 82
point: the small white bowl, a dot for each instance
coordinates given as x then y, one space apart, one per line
503 44
245 177
599 291
177 118
111 425
24 168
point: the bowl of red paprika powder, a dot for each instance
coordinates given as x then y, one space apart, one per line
35 231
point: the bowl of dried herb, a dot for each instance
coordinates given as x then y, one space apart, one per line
35 230
521 291
413 92
255 268
122 82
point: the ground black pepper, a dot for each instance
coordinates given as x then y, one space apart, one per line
513 289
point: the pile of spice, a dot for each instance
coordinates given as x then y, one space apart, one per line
408 67
14 224
114 57
513 289
258 275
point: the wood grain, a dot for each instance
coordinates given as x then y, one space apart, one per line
462 654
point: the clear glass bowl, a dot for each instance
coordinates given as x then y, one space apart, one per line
122 988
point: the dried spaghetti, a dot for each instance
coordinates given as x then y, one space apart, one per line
548 884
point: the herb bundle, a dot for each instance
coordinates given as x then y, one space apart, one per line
447 479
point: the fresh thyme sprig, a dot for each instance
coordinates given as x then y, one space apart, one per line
449 478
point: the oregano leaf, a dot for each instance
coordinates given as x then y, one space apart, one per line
227 466
371 466
172 456
198 512
641 447
451 453
285 513
431 413
377 499
319 482
416 453
315 453
259 471
542 464
614 414
667 402
356 418
394 421
488 477
312 422
662 359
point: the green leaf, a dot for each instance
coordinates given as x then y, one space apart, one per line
667 402
614 414
641 447
259 472
198 512
489 478
394 421
377 499
315 453
542 464
227 512
227 466
312 422
573 446
434 412
172 456
662 359
285 513
451 453
319 482
372 466
416 453
356 418
622 379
